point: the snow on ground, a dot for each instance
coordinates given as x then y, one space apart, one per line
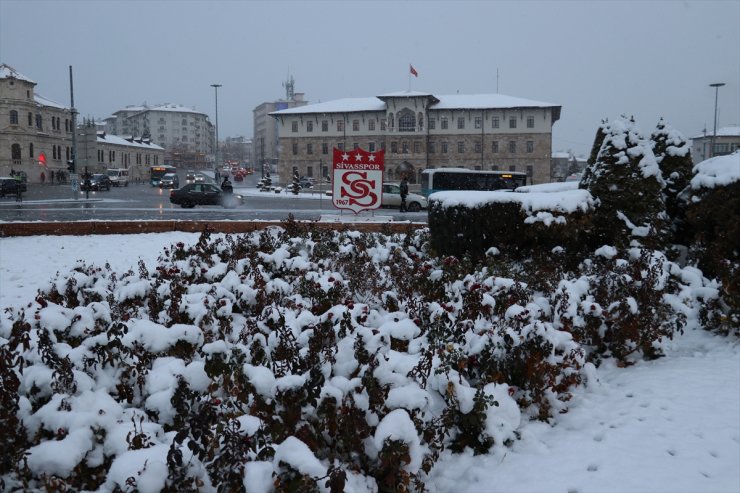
670 425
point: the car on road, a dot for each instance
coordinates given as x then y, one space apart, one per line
194 194
392 198
190 176
118 177
169 180
98 181
200 178
9 185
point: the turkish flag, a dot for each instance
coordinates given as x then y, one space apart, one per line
42 159
413 71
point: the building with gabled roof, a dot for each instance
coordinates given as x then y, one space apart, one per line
420 130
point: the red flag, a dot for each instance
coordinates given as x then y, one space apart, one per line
413 71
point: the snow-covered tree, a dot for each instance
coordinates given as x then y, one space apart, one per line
598 141
626 182
673 156
295 187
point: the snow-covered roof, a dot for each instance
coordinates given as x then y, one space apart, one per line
47 102
6 72
454 101
729 131
161 107
117 140
561 155
405 94
717 171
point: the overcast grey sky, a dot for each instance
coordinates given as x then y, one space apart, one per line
597 59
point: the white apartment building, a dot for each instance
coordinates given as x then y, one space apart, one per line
187 135
420 130
727 141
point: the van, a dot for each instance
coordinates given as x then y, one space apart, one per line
118 177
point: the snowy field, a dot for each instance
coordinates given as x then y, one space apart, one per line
670 425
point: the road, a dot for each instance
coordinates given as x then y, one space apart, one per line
143 202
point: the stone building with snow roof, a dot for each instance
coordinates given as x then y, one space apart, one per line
187 135
35 132
420 130
726 142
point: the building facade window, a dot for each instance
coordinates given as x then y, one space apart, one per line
15 152
39 122
295 148
512 146
371 146
461 147
494 122
444 123
309 171
340 146
309 148
394 147
530 171
494 146
530 146
417 147
371 125
382 124
340 125
30 150
324 125
355 125
432 124
432 148
13 117
444 147
309 126
477 147
460 122
355 145
30 119
324 148
478 122
512 122
406 123
530 122
404 146
294 127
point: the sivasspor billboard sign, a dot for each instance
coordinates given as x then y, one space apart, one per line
358 179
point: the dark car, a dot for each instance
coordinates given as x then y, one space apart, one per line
169 180
9 185
96 182
194 194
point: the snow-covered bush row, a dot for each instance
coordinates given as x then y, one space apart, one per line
302 360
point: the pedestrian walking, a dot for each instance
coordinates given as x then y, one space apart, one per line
18 192
404 193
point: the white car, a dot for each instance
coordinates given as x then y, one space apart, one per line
392 198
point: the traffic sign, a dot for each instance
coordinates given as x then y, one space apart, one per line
358 179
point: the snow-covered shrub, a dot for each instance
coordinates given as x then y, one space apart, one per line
292 362
713 216
673 156
616 306
626 183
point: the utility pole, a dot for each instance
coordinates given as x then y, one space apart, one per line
215 87
72 164
716 86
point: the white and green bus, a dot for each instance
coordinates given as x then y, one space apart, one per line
442 179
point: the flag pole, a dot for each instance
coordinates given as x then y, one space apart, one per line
409 77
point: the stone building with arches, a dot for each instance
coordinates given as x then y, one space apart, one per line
420 130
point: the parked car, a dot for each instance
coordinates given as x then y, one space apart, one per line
169 180
392 198
306 183
98 181
9 185
194 194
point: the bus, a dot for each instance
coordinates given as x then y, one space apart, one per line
441 179
157 172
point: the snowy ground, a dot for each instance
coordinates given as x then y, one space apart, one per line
671 425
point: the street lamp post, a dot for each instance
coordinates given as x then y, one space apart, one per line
215 87
716 86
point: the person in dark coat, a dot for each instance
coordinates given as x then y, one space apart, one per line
404 193
226 185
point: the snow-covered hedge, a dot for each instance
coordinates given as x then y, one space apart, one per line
299 360
470 223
